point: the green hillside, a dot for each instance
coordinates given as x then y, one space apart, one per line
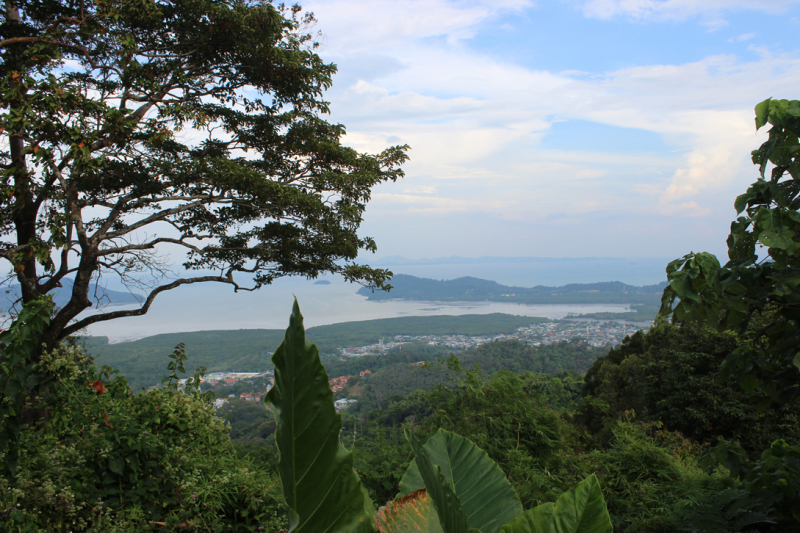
144 361
474 289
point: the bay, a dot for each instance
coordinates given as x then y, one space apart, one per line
217 307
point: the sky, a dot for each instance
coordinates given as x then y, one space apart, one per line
558 128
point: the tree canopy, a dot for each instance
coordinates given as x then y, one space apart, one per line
142 131
754 293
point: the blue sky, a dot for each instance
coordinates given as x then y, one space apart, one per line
558 127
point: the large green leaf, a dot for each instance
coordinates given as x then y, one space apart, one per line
448 507
487 498
413 513
762 113
581 509
321 489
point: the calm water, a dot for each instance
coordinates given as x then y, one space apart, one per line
213 306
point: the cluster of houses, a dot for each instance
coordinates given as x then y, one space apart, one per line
247 396
595 333
339 383
229 378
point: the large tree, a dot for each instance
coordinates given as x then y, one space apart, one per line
143 130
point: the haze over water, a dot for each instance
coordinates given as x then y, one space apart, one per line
217 307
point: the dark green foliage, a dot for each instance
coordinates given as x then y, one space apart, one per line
467 489
639 313
559 392
381 456
20 376
729 510
672 375
250 423
776 474
105 459
581 509
645 473
401 379
474 289
520 435
241 350
575 356
394 359
758 298
487 498
249 350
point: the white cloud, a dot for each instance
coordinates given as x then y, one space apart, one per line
741 38
704 109
677 10
475 123
360 25
421 189
429 204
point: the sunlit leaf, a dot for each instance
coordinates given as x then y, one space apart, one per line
413 513
762 113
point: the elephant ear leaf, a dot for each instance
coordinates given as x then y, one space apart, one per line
487 498
581 509
451 516
320 487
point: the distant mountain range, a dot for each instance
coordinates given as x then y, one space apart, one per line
474 289
399 260
61 295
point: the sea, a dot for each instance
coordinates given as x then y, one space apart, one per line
213 306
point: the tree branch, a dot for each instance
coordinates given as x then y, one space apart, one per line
148 246
69 330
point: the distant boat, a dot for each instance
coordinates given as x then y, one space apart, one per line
322 282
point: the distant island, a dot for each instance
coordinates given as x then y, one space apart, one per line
646 299
469 289
322 282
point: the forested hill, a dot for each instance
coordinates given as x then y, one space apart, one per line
144 361
61 295
473 289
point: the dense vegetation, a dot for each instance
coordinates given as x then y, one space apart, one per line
93 456
540 431
654 437
638 313
640 421
249 350
671 375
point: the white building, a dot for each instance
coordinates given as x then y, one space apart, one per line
344 403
